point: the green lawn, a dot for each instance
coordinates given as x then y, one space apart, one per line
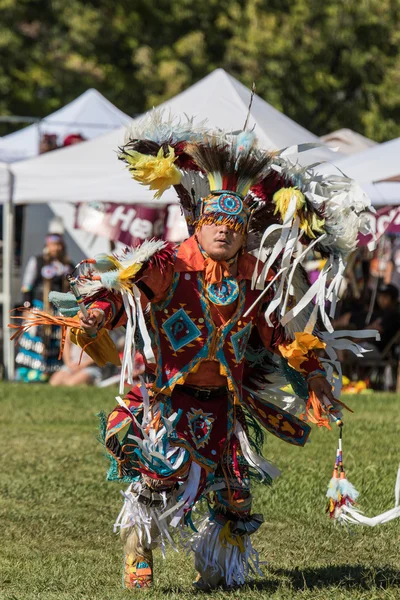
57 510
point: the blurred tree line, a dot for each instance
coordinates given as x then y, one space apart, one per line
325 63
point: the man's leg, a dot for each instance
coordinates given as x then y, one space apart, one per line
223 552
138 560
144 504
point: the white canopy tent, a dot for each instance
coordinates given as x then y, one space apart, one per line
375 164
383 193
91 172
90 115
347 141
373 169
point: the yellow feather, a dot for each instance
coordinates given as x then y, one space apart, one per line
283 197
126 275
310 223
211 181
158 172
114 261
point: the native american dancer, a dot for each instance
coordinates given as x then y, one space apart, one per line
221 331
37 356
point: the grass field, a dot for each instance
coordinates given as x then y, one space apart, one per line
57 510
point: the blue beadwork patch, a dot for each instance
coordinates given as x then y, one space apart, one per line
230 204
239 342
180 329
223 293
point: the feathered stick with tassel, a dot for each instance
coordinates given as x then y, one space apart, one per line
343 495
341 492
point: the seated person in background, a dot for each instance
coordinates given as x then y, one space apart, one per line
354 317
386 317
76 371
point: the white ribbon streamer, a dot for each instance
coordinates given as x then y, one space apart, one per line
147 350
335 341
352 515
257 462
134 313
129 348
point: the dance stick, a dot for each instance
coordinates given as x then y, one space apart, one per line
74 288
329 406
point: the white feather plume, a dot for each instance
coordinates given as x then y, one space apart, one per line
161 128
141 253
126 258
344 204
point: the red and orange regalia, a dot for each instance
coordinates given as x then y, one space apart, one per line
219 339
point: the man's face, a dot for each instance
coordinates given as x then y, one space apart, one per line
47 145
385 301
219 241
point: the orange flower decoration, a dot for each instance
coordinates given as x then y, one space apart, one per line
297 352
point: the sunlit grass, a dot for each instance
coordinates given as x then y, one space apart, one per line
57 510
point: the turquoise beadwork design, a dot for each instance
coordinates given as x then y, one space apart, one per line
230 204
239 342
223 293
180 329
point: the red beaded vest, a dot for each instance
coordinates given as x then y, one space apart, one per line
185 334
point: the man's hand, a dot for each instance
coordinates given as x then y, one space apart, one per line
321 387
91 323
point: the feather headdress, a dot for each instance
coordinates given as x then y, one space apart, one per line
232 166
158 142
285 209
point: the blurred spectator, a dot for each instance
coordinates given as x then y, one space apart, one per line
371 301
78 368
386 317
73 138
48 142
396 263
37 357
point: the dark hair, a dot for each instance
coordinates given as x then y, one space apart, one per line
63 256
389 290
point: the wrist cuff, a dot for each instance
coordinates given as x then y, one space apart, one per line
316 373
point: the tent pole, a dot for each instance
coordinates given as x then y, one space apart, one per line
8 267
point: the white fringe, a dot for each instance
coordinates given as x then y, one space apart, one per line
151 528
262 466
356 517
233 566
153 523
